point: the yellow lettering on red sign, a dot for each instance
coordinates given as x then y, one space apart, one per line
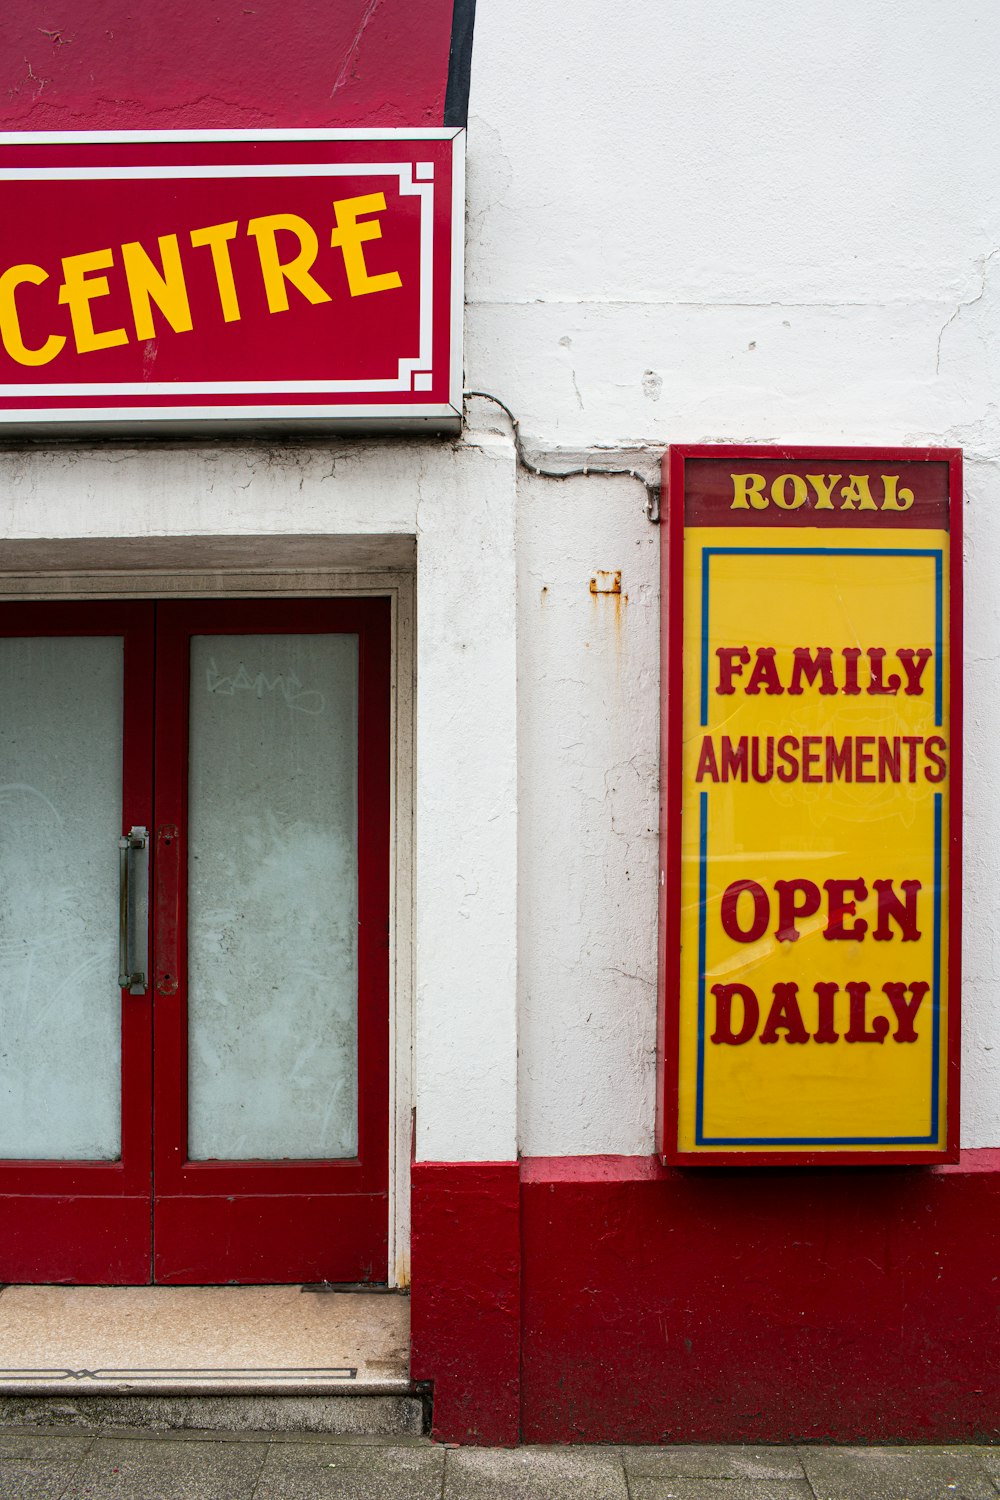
10 324
288 249
165 287
349 235
78 290
820 492
216 237
276 271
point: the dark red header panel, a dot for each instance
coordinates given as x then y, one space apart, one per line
859 489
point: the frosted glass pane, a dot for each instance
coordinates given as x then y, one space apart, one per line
60 818
272 897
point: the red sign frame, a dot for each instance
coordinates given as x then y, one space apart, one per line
157 281
680 512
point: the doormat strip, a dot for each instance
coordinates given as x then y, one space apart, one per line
242 1374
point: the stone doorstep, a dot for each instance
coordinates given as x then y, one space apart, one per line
354 1414
74 1384
207 1356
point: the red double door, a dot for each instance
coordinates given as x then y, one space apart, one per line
194 895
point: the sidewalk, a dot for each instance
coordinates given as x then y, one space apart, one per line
57 1464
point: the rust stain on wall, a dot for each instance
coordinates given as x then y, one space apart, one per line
607 582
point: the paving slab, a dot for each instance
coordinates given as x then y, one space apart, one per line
117 1470
534 1474
990 1460
44 1447
183 1464
701 1461
36 1467
898 1473
341 1471
682 1488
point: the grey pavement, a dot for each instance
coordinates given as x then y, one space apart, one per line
61 1463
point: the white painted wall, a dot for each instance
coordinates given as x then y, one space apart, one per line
767 220
760 221
180 506
588 705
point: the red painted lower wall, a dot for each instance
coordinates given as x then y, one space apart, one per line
760 1306
708 1306
465 1297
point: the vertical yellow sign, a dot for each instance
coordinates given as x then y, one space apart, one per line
811 1012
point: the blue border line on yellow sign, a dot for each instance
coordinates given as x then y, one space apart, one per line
881 1140
702 937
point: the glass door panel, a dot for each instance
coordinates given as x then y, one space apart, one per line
273 897
60 817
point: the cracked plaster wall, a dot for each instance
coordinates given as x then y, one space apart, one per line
588 818
759 222
457 500
755 222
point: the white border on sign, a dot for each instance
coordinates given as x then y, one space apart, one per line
25 415
132 137
403 379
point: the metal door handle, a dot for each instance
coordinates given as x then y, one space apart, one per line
133 910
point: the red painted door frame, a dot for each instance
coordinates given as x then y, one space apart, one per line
267 1221
89 1221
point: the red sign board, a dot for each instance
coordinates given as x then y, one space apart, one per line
166 279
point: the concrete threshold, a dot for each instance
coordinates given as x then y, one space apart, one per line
235 1358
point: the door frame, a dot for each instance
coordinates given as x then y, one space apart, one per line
296 567
268 1220
66 1219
